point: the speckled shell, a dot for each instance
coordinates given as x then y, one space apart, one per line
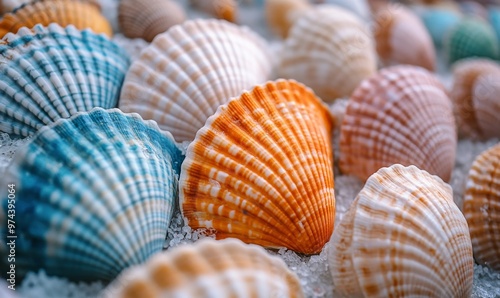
482 207
147 18
402 38
475 98
438 22
81 14
48 73
471 38
261 170
403 236
209 269
329 50
94 195
221 9
282 14
188 71
401 115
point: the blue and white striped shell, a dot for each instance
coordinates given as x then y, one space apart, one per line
94 195
48 73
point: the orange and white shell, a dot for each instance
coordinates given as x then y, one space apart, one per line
81 14
221 9
209 269
187 72
400 115
402 38
282 14
330 50
261 170
482 207
475 97
147 18
403 236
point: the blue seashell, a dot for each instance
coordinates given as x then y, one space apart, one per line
438 22
494 18
52 72
94 194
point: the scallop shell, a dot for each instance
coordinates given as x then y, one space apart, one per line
438 22
209 268
329 50
482 207
403 236
188 71
494 19
10 5
221 9
48 73
282 14
261 170
81 14
402 38
401 115
147 18
358 7
94 195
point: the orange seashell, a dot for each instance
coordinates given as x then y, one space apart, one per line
401 115
81 14
221 9
261 170
282 14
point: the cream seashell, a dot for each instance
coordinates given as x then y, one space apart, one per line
282 14
403 236
221 9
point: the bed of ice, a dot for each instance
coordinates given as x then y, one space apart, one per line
312 270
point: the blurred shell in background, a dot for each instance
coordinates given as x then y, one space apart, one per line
282 14
147 18
400 115
330 50
10 5
358 7
261 170
482 207
403 236
48 73
187 72
221 9
494 19
94 195
209 269
473 9
438 22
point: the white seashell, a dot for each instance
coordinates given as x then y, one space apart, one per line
358 7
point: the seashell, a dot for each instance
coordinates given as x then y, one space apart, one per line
329 50
403 236
402 38
282 14
401 115
81 14
221 9
261 170
147 18
438 22
359 7
494 19
482 207
48 73
9 5
94 195
209 268
473 9
471 38
181 84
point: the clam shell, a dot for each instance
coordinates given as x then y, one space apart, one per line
94 195
329 50
188 71
147 18
438 22
81 14
482 207
221 9
209 268
48 73
261 170
282 14
401 115
403 236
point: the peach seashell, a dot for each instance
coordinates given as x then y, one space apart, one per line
403 236
209 268
282 14
482 207
329 50
402 38
221 9
81 14
475 97
147 18
261 170
187 72
401 115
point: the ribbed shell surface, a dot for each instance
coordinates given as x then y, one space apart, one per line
221 9
51 72
401 115
94 195
187 72
261 170
403 236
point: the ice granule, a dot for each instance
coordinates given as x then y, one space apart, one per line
486 283
133 46
8 148
37 285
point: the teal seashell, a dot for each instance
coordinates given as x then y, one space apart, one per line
472 37
494 18
48 73
438 22
94 194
